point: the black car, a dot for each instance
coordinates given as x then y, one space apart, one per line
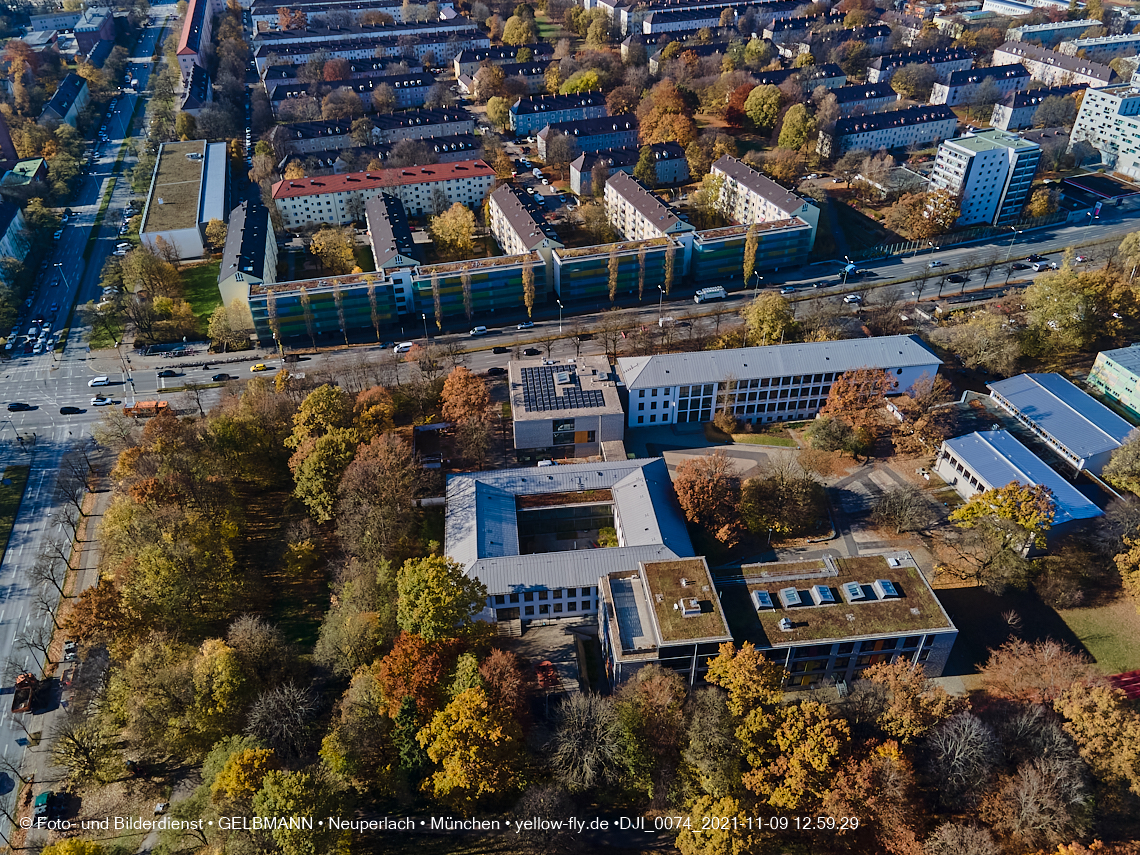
18 407
70 411
501 349
1033 258
496 371
168 372
955 277
1020 266
530 351
218 378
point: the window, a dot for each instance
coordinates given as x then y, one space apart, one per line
558 593
558 608
500 600
544 609
542 595
641 420
514 598
641 406
529 610
528 597
570 607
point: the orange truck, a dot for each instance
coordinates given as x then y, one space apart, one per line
146 409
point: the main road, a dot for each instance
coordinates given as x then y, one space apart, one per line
47 382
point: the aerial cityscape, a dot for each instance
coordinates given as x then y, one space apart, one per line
570 426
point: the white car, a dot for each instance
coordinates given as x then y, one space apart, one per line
852 298
934 264
403 347
99 381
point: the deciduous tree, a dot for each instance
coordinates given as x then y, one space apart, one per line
1036 673
763 107
454 231
312 791
903 508
797 128
960 754
913 704
334 248
768 319
1106 730
465 397
585 749
437 599
708 488
807 746
857 395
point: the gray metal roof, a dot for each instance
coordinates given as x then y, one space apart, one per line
779 360
1076 420
1127 358
997 458
761 185
523 217
388 227
645 203
481 523
246 238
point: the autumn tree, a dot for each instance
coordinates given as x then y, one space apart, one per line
519 31
528 285
334 249
1123 469
711 748
414 669
1036 673
216 234
665 115
912 704
751 245
436 598
768 319
453 231
983 340
477 749
708 489
376 497
801 759
878 786
1107 732
762 107
80 746
857 395
914 81
312 791
1029 507
74 846
465 397
797 128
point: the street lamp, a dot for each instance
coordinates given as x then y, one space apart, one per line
63 275
424 316
1011 242
845 269
660 304
559 302
756 287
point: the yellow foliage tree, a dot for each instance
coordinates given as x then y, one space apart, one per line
241 777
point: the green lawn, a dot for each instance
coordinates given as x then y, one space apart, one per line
100 338
364 259
1110 633
200 290
10 496
763 439
548 31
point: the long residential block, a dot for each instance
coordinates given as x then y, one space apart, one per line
897 129
1053 68
531 114
961 86
1109 121
944 61
669 162
593 134
749 198
1017 110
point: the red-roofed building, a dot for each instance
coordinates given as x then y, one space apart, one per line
340 199
196 32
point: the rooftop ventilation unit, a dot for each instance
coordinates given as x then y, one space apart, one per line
689 607
785 624
563 378
853 592
886 589
762 601
790 597
822 595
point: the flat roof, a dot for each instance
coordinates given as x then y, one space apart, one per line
998 458
1103 186
915 608
645 203
481 522
1076 420
397 176
1127 358
176 188
990 139
566 389
777 360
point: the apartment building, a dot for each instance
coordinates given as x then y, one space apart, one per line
944 61
668 158
910 26
1115 374
990 171
411 90
392 243
772 383
1109 121
468 61
1102 48
360 69
15 241
197 31
531 114
340 199
329 37
265 12
96 24
861 98
747 197
1051 34
962 86
250 254
519 227
1016 110
637 214
795 29
810 78
197 91
1053 68
1081 430
68 101
593 134
532 75
442 47
897 129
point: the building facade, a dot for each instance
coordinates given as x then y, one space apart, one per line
774 383
593 134
668 158
748 198
1017 110
1102 49
962 86
897 129
250 254
945 62
990 171
1053 68
1109 121
1082 431
1050 34
197 33
64 107
519 227
637 214
340 199
531 114
858 100
468 61
1115 374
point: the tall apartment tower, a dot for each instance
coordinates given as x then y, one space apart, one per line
1109 120
990 172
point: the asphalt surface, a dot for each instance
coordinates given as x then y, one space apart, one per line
41 436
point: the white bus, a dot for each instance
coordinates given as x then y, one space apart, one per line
706 294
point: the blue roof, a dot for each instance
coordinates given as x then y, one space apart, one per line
997 458
1127 358
1076 420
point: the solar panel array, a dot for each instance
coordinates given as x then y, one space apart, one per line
542 394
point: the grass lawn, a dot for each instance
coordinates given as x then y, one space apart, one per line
100 338
200 289
1110 633
548 30
10 496
364 259
763 439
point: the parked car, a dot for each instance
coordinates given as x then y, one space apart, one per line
168 372
101 401
501 349
496 371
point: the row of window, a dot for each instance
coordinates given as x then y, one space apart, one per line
556 594
873 646
556 608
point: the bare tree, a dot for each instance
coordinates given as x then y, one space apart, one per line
283 717
547 342
576 331
961 754
611 329
193 392
905 508
952 838
35 638
989 262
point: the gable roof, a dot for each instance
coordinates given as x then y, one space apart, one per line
1075 64
761 185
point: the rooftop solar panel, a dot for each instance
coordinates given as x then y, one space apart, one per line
541 393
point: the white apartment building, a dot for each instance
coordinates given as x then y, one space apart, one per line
1018 109
1103 48
1053 68
1109 120
774 383
990 171
340 199
1050 34
749 197
962 86
636 213
520 228
920 125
